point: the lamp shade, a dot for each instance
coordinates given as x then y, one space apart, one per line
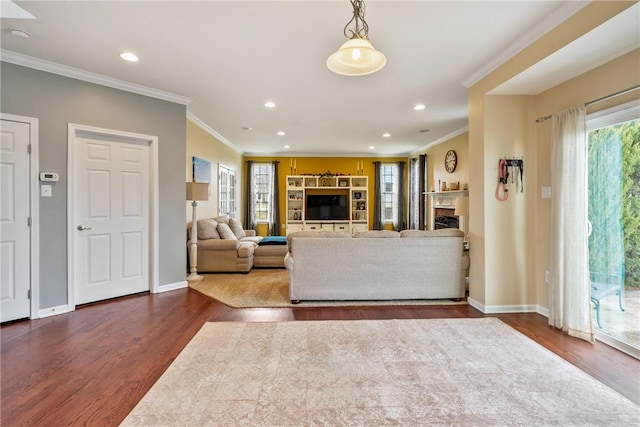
197 191
462 206
356 57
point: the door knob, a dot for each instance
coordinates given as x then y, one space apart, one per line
82 228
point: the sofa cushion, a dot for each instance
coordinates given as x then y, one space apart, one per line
245 250
377 234
207 229
236 227
225 232
443 232
254 239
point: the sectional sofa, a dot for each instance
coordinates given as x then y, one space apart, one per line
376 265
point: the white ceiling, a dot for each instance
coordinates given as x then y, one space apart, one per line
226 59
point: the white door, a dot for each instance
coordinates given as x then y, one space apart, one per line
15 277
111 213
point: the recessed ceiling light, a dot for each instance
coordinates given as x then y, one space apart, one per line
371 147
419 107
246 128
287 147
386 135
20 33
281 133
423 130
128 56
270 104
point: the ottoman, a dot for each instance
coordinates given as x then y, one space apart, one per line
270 252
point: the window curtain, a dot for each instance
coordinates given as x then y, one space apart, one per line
414 193
249 202
422 189
274 202
377 197
400 223
606 242
569 290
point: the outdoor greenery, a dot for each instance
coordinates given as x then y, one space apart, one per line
614 201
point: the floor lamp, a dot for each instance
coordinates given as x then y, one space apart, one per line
196 191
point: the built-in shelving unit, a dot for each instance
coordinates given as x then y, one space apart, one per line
354 190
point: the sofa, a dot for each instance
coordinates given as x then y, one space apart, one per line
224 246
376 265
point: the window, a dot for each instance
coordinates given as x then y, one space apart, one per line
226 191
389 196
262 184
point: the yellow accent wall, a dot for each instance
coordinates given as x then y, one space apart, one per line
510 240
320 165
201 144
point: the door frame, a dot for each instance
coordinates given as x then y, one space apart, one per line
75 131
34 210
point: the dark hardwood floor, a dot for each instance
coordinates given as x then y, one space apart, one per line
91 367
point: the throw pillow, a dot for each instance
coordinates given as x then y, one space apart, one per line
207 229
225 232
237 229
222 219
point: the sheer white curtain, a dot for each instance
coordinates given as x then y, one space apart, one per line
569 299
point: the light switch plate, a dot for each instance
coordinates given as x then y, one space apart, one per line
45 191
546 192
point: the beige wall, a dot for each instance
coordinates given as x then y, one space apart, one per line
202 144
435 162
510 240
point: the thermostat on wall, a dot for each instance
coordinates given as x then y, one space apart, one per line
49 176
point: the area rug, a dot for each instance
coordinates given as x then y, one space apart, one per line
269 288
477 372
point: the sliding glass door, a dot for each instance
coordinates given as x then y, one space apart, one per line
614 215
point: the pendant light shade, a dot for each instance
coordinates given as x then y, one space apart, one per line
356 57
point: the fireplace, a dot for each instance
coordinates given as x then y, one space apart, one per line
445 221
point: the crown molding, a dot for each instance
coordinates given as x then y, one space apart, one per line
566 10
205 127
440 140
87 76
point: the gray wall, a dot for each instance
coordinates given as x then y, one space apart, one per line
56 101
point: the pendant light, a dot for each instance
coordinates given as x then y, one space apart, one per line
357 56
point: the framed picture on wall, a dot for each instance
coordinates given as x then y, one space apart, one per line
201 170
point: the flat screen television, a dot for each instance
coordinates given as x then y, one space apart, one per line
327 207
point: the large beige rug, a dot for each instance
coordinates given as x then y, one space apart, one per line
269 288
470 372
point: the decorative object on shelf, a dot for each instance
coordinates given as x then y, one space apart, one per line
196 191
357 56
326 182
450 161
357 194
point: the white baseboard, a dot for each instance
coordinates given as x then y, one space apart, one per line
500 309
543 311
171 287
52 311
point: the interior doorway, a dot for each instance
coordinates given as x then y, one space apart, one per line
18 217
112 205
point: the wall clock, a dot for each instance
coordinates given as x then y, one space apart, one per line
450 161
